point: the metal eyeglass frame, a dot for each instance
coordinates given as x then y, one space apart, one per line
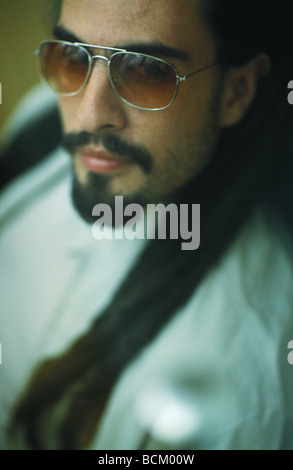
116 52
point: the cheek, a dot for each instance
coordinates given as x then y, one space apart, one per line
64 113
68 107
169 131
181 139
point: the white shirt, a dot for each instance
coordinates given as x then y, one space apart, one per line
217 377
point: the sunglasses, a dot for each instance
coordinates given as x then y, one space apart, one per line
140 80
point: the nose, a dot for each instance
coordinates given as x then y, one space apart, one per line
99 107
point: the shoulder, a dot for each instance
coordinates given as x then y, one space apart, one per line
35 104
32 132
219 360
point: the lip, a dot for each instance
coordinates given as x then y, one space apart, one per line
101 161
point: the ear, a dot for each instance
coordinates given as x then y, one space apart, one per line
239 89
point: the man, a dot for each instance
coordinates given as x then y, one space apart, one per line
148 345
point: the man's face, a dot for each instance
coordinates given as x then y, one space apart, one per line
144 156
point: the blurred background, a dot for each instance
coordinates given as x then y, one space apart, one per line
23 25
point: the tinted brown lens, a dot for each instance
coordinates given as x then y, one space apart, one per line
143 81
64 67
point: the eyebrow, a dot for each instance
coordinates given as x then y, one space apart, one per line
155 48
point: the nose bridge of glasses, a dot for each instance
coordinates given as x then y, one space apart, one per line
99 57
96 60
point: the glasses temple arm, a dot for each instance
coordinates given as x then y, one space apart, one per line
185 77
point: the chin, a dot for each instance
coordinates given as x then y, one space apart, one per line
85 196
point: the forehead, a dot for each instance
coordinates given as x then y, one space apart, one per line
115 22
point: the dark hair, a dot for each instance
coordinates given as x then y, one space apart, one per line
245 171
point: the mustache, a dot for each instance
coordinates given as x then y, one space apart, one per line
113 144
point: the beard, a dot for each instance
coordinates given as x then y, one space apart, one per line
96 188
86 196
